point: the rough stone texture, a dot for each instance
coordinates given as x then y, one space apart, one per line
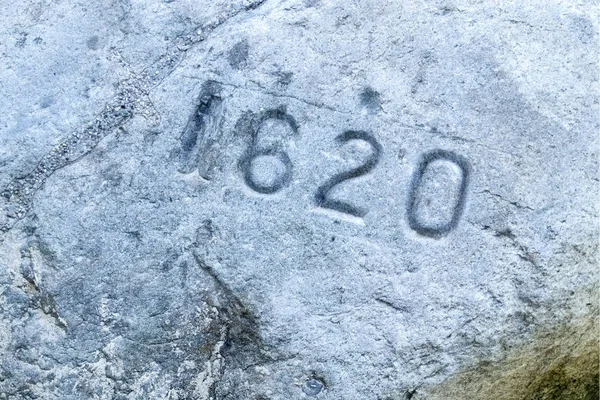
290 199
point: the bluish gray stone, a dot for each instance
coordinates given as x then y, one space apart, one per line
280 199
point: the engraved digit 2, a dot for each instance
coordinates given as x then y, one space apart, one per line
321 198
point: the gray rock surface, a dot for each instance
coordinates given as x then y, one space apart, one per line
291 199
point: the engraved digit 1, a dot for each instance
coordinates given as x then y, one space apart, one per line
438 193
254 153
321 198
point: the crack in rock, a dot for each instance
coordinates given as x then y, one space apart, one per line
132 94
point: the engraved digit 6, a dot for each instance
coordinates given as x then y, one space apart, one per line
321 198
254 152
281 181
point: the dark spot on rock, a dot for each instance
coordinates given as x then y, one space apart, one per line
92 43
412 267
205 232
507 232
448 9
523 318
401 154
370 100
583 27
22 40
244 126
112 174
238 55
170 260
410 394
135 234
284 78
47 102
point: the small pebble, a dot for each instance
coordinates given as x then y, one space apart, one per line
312 387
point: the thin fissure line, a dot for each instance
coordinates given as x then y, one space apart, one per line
16 197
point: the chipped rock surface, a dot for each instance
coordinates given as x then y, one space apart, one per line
295 199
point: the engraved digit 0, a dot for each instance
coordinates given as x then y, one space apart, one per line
321 198
434 207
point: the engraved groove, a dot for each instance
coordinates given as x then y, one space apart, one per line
202 137
279 183
437 230
254 151
321 199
